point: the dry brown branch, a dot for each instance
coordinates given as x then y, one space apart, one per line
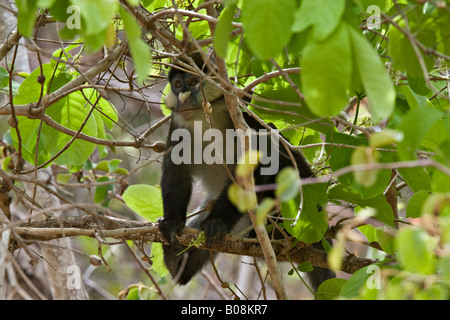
121 229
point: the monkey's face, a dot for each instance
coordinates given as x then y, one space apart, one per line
187 89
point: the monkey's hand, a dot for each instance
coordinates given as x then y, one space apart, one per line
170 227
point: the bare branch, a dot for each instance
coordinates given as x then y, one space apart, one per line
109 227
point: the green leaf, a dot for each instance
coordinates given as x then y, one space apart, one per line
326 73
102 192
145 200
244 200
379 203
337 252
341 159
247 163
71 112
288 184
437 204
444 268
440 182
415 204
374 77
384 138
264 208
30 90
139 49
386 241
158 260
71 115
415 125
107 111
108 165
4 78
323 15
369 231
29 129
378 234
403 55
417 178
267 25
414 100
353 285
330 289
133 294
341 155
223 30
273 112
357 281
313 221
97 14
305 266
415 250
365 156
27 16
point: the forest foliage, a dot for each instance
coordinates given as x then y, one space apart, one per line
361 87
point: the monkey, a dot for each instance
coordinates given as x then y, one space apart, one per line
186 100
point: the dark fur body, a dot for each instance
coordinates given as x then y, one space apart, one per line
178 179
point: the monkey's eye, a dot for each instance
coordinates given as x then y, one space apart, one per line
193 82
178 84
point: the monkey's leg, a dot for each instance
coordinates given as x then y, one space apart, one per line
224 216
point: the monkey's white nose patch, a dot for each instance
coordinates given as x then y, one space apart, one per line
184 96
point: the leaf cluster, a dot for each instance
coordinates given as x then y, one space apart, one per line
368 104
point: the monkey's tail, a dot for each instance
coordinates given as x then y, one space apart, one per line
184 266
319 275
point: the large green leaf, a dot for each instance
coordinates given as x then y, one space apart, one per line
417 178
415 250
139 49
403 55
330 289
323 15
291 115
415 204
313 221
27 16
267 25
373 76
327 72
288 184
29 130
223 30
101 194
71 112
379 203
97 14
72 115
358 281
342 156
145 200
415 126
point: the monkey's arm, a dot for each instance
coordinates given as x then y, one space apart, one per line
176 188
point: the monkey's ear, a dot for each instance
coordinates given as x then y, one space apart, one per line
170 100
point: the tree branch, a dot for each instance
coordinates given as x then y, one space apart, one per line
103 227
